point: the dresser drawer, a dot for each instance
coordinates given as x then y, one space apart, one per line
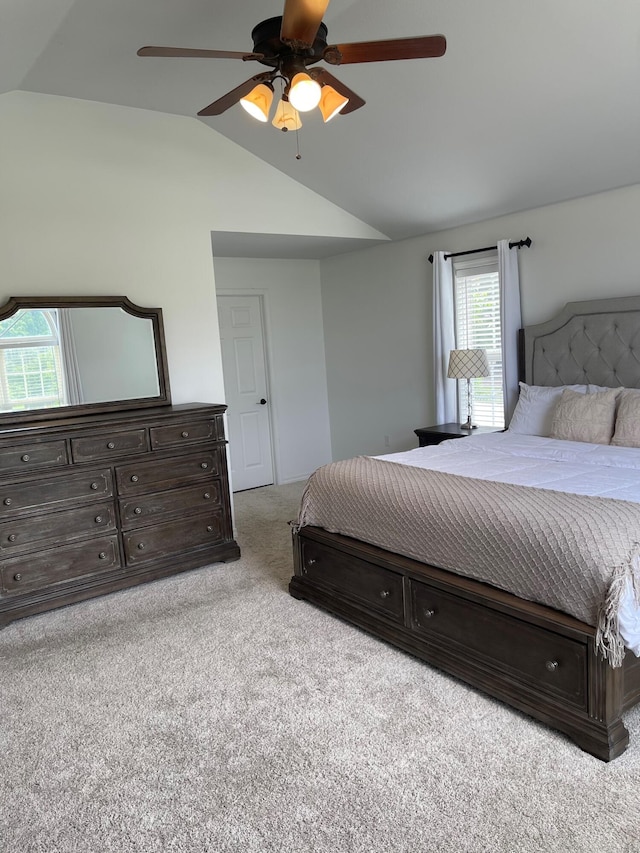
22 534
35 571
19 498
173 537
24 457
185 433
159 474
109 445
372 585
145 509
549 662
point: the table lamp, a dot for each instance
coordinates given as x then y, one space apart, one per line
468 364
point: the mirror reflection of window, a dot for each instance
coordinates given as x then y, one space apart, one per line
31 367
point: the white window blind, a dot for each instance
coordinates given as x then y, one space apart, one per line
477 323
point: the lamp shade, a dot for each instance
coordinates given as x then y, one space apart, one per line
258 102
468 364
286 117
331 102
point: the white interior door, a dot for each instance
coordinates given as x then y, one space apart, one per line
245 384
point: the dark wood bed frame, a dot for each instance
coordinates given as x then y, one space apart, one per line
532 657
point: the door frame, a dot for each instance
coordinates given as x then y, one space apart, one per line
263 302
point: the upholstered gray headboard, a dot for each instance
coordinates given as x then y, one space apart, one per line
588 342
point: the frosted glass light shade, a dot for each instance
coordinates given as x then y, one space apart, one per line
258 102
286 117
331 102
304 93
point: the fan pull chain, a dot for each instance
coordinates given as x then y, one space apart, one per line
298 154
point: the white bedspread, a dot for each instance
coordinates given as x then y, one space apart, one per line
544 463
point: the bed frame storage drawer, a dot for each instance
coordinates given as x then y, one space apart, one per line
373 586
541 659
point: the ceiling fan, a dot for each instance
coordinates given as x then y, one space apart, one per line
289 44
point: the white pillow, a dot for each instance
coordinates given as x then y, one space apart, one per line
533 414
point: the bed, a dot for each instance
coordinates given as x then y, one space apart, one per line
509 560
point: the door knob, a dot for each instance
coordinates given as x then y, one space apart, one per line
263 402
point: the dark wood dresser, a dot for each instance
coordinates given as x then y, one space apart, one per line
98 502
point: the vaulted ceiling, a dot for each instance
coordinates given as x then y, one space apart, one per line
533 103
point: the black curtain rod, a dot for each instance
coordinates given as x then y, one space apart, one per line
517 245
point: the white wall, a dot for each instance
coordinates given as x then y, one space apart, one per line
377 307
99 199
290 290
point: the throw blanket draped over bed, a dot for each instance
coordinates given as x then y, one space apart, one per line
574 553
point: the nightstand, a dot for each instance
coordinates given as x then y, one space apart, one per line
442 432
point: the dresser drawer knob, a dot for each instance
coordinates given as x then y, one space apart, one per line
311 561
7 501
137 510
26 457
552 665
385 593
102 555
206 496
94 486
134 478
12 537
204 465
98 519
209 528
110 445
140 546
184 434
17 577
428 614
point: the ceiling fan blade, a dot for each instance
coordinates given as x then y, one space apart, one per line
195 53
300 21
232 97
322 76
415 47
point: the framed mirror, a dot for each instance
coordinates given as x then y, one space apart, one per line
64 356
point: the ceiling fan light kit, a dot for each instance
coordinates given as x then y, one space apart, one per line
289 45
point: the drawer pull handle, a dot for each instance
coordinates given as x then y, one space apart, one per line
98 519
209 528
385 593
26 457
110 445
204 464
102 555
311 561
552 665
12 537
140 546
137 510
184 434
17 577
428 614
134 478
7 501
94 486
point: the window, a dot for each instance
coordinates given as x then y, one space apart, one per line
477 326
30 365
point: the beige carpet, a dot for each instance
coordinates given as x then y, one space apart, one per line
211 712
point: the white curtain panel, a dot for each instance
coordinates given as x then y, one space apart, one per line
511 321
444 338
70 365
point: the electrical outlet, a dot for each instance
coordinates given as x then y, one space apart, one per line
387 441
